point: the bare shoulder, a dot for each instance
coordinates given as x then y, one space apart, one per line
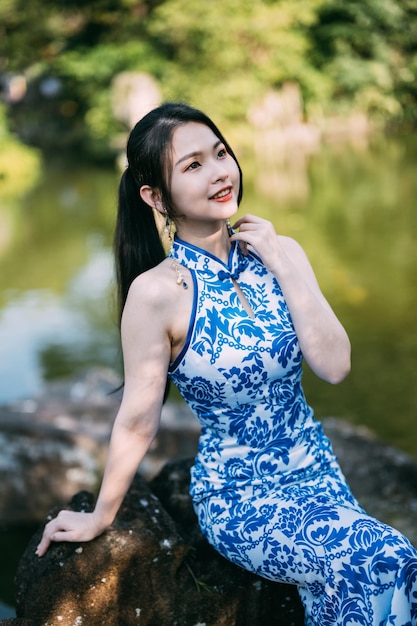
157 303
292 248
298 257
153 288
151 293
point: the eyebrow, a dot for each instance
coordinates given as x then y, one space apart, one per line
196 153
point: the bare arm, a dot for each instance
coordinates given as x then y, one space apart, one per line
146 354
323 340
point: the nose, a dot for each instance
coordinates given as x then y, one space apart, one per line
220 172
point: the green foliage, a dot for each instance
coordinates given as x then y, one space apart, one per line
367 48
20 166
221 55
225 55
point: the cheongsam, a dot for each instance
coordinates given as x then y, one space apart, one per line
266 486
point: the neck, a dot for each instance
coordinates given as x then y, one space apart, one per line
216 240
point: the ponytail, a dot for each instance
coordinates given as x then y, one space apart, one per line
137 244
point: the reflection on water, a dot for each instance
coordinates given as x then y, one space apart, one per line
47 335
56 309
352 210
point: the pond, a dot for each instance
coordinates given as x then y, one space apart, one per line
351 207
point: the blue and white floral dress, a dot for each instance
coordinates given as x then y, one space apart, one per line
266 486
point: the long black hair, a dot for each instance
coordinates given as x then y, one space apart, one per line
137 244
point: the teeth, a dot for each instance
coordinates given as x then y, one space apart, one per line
221 194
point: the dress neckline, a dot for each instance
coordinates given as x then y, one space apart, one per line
195 258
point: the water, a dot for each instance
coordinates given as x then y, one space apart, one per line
56 310
352 209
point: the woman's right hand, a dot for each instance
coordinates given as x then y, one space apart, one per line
69 526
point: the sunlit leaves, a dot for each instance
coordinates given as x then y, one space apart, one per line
222 56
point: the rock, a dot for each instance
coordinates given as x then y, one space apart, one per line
383 478
39 465
152 568
54 446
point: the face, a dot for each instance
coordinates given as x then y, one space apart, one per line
205 178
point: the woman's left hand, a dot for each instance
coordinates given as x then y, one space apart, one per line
261 236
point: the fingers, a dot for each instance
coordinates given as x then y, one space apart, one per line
43 546
69 526
260 235
58 529
50 533
48 538
248 218
252 225
254 231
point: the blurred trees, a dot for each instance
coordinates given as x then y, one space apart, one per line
368 50
221 55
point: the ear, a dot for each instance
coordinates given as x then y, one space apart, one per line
152 197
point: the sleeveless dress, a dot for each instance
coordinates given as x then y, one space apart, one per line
266 486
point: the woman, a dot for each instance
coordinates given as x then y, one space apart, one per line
229 316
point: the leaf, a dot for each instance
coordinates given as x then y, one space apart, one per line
248 328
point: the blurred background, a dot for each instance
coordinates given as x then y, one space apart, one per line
318 99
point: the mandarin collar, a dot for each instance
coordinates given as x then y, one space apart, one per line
196 258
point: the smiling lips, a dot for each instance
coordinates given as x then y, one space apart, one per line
223 195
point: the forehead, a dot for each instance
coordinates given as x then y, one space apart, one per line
192 137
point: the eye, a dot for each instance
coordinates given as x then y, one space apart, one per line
222 153
193 166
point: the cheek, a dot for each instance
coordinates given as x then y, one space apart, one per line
184 195
178 191
234 172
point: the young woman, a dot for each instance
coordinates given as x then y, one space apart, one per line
228 316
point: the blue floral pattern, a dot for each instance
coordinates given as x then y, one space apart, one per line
266 486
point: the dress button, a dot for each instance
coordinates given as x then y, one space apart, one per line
222 275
